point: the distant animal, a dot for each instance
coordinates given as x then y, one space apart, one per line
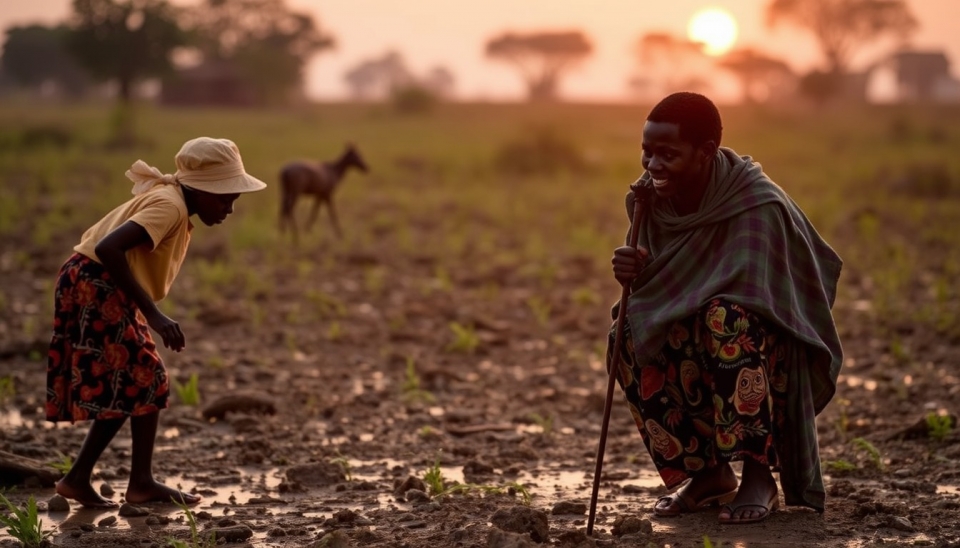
317 179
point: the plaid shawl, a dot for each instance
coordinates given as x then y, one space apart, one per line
752 245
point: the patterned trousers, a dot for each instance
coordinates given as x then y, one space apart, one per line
715 393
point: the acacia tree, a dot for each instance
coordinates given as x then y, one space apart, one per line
842 26
268 43
758 73
35 55
124 40
541 57
667 64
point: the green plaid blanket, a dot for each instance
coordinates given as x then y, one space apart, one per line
751 244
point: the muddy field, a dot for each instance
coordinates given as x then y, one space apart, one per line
435 380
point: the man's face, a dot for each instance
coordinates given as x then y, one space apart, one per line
672 162
214 208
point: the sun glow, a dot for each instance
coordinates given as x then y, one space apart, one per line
715 28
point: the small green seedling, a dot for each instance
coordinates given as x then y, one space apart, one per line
24 524
411 385
189 393
465 338
63 464
938 426
344 464
841 465
433 477
7 389
196 539
871 450
544 422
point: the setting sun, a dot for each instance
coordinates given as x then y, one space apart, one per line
715 28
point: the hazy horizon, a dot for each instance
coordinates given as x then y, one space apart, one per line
438 32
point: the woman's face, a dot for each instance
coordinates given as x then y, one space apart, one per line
213 209
673 163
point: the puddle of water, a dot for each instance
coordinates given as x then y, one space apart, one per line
254 494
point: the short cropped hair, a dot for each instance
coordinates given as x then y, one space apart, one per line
697 116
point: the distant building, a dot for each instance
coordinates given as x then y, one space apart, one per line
215 83
915 76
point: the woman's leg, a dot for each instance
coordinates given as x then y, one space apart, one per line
76 484
672 407
739 348
143 487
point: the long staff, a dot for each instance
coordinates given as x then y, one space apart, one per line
640 199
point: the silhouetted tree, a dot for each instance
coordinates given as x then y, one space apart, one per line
269 43
759 74
36 55
440 81
124 40
842 26
379 77
668 64
542 57
820 86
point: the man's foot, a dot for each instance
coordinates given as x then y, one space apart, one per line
84 493
756 499
716 485
158 492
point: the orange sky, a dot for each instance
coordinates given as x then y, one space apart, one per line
453 32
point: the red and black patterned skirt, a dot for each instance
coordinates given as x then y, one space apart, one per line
103 363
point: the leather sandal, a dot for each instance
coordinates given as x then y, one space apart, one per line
770 508
687 506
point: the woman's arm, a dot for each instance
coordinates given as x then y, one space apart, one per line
112 252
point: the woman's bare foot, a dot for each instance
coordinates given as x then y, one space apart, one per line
709 485
158 492
84 493
757 497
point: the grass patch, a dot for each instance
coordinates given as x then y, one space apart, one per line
24 524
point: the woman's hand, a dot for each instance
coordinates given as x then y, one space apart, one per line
628 262
168 330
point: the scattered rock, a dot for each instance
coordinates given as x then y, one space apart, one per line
416 495
629 525
107 521
900 524
128 510
235 533
58 504
567 507
106 489
521 519
239 403
316 474
412 482
503 539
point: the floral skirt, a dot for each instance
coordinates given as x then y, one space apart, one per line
715 393
102 363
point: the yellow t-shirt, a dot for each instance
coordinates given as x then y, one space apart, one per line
162 212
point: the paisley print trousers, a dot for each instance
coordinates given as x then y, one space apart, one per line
715 393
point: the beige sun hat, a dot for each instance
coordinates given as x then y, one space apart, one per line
214 165
207 164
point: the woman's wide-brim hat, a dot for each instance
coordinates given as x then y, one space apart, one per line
214 165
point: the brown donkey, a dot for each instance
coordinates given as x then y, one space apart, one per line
319 179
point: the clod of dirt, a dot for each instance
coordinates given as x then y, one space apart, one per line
128 510
628 525
336 539
243 403
416 495
503 539
316 474
412 482
521 519
567 507
236 533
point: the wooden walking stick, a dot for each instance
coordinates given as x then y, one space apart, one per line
640 199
